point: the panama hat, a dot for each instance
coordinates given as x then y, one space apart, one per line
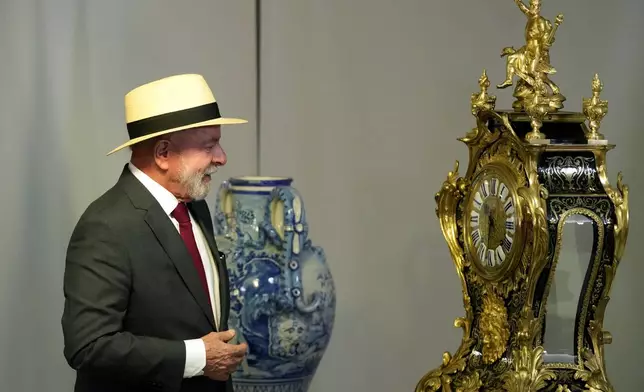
171 104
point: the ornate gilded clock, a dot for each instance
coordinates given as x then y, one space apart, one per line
536 233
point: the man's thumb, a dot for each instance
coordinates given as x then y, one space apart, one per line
227 335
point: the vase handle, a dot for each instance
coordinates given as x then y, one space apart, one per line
224 210
289 229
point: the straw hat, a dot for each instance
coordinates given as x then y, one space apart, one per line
168 105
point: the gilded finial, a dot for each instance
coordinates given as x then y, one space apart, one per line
482 101
537 108
484 82
595 109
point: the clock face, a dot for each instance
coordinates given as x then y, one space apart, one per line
492 222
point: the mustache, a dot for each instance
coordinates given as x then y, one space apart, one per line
211 170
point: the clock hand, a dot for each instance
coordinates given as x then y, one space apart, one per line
490 229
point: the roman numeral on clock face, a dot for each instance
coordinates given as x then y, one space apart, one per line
503 191
506 244
483 188
476 237
481 250
491 258
499 255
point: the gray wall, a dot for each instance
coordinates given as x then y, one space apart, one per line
361 102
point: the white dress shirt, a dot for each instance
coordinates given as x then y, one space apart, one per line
195 348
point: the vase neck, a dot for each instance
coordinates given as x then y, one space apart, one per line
251 196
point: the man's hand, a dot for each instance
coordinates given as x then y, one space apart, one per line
222 358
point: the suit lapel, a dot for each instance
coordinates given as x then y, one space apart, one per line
171 241
168 237
201 215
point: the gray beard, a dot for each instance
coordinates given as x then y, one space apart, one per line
194 183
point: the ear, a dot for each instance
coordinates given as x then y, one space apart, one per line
162 154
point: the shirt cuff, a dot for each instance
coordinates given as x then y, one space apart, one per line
195 358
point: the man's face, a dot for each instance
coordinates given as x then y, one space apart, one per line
196 155
535 6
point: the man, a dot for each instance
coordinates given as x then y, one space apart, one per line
146 290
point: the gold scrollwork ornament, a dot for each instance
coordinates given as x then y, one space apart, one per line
528 374
594 373
449 376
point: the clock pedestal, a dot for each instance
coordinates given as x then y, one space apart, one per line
536 233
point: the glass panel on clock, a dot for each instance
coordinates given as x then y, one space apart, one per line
566 296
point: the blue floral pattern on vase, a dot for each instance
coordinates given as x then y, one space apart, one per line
282 292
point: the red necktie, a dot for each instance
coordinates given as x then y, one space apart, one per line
180 213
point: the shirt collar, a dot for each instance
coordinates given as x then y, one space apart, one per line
165 198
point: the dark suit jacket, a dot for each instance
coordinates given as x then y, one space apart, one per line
132 295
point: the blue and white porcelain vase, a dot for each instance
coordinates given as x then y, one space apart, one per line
282 295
